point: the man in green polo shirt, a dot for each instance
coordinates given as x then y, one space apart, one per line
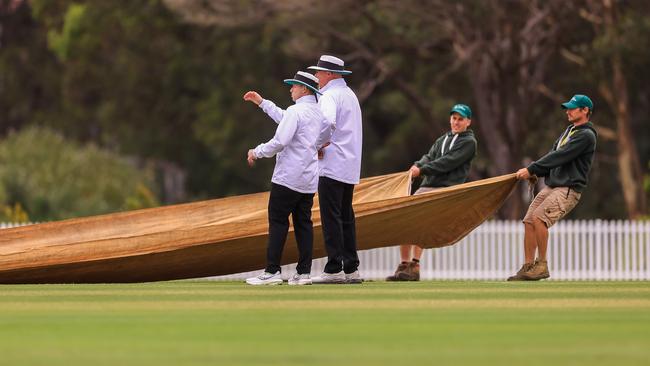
565 170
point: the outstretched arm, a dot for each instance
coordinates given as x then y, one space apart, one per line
276 113
253 97
571 150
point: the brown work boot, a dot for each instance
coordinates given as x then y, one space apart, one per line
400 269
412 272
521 271
539 271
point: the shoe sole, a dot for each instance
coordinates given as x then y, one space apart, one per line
515 279
405 277
394 279
300 283
265 284
328 282
354 282
543 277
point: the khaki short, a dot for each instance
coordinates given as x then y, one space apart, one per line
552 204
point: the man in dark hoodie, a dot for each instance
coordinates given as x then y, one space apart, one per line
566 169
446 164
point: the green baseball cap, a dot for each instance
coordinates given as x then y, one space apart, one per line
578 101
462 109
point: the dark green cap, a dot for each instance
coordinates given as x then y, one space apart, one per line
462 109
579 101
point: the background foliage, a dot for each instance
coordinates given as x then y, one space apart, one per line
50 178
160 82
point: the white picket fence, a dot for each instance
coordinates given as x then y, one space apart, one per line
578 250
7 225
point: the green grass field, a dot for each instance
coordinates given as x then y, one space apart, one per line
377 323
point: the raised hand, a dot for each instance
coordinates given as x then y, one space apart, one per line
253 97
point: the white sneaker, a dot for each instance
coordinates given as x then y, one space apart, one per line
353 277
266 279
329 278
300 279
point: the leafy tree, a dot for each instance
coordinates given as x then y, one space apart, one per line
54 178
28 71
161 80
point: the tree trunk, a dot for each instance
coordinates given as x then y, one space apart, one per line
629 166
490 120
506 62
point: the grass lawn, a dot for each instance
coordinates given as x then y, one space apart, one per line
377 323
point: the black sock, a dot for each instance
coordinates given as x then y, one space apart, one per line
416 260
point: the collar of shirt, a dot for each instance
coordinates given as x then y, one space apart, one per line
451 133
334 83
566 135
307 99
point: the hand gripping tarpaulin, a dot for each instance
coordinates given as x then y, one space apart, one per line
229 235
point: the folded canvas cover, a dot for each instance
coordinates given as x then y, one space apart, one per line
229 235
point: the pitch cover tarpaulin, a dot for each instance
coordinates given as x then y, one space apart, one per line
229 235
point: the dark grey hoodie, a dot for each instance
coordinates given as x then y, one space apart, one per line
568 165
451 166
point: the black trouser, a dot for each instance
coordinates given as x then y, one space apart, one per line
337 218
282 203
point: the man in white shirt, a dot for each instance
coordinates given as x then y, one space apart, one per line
295 177
340 169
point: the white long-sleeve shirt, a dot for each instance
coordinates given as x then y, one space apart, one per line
342 158
295 143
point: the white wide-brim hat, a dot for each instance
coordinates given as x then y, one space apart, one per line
306 79
331 64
